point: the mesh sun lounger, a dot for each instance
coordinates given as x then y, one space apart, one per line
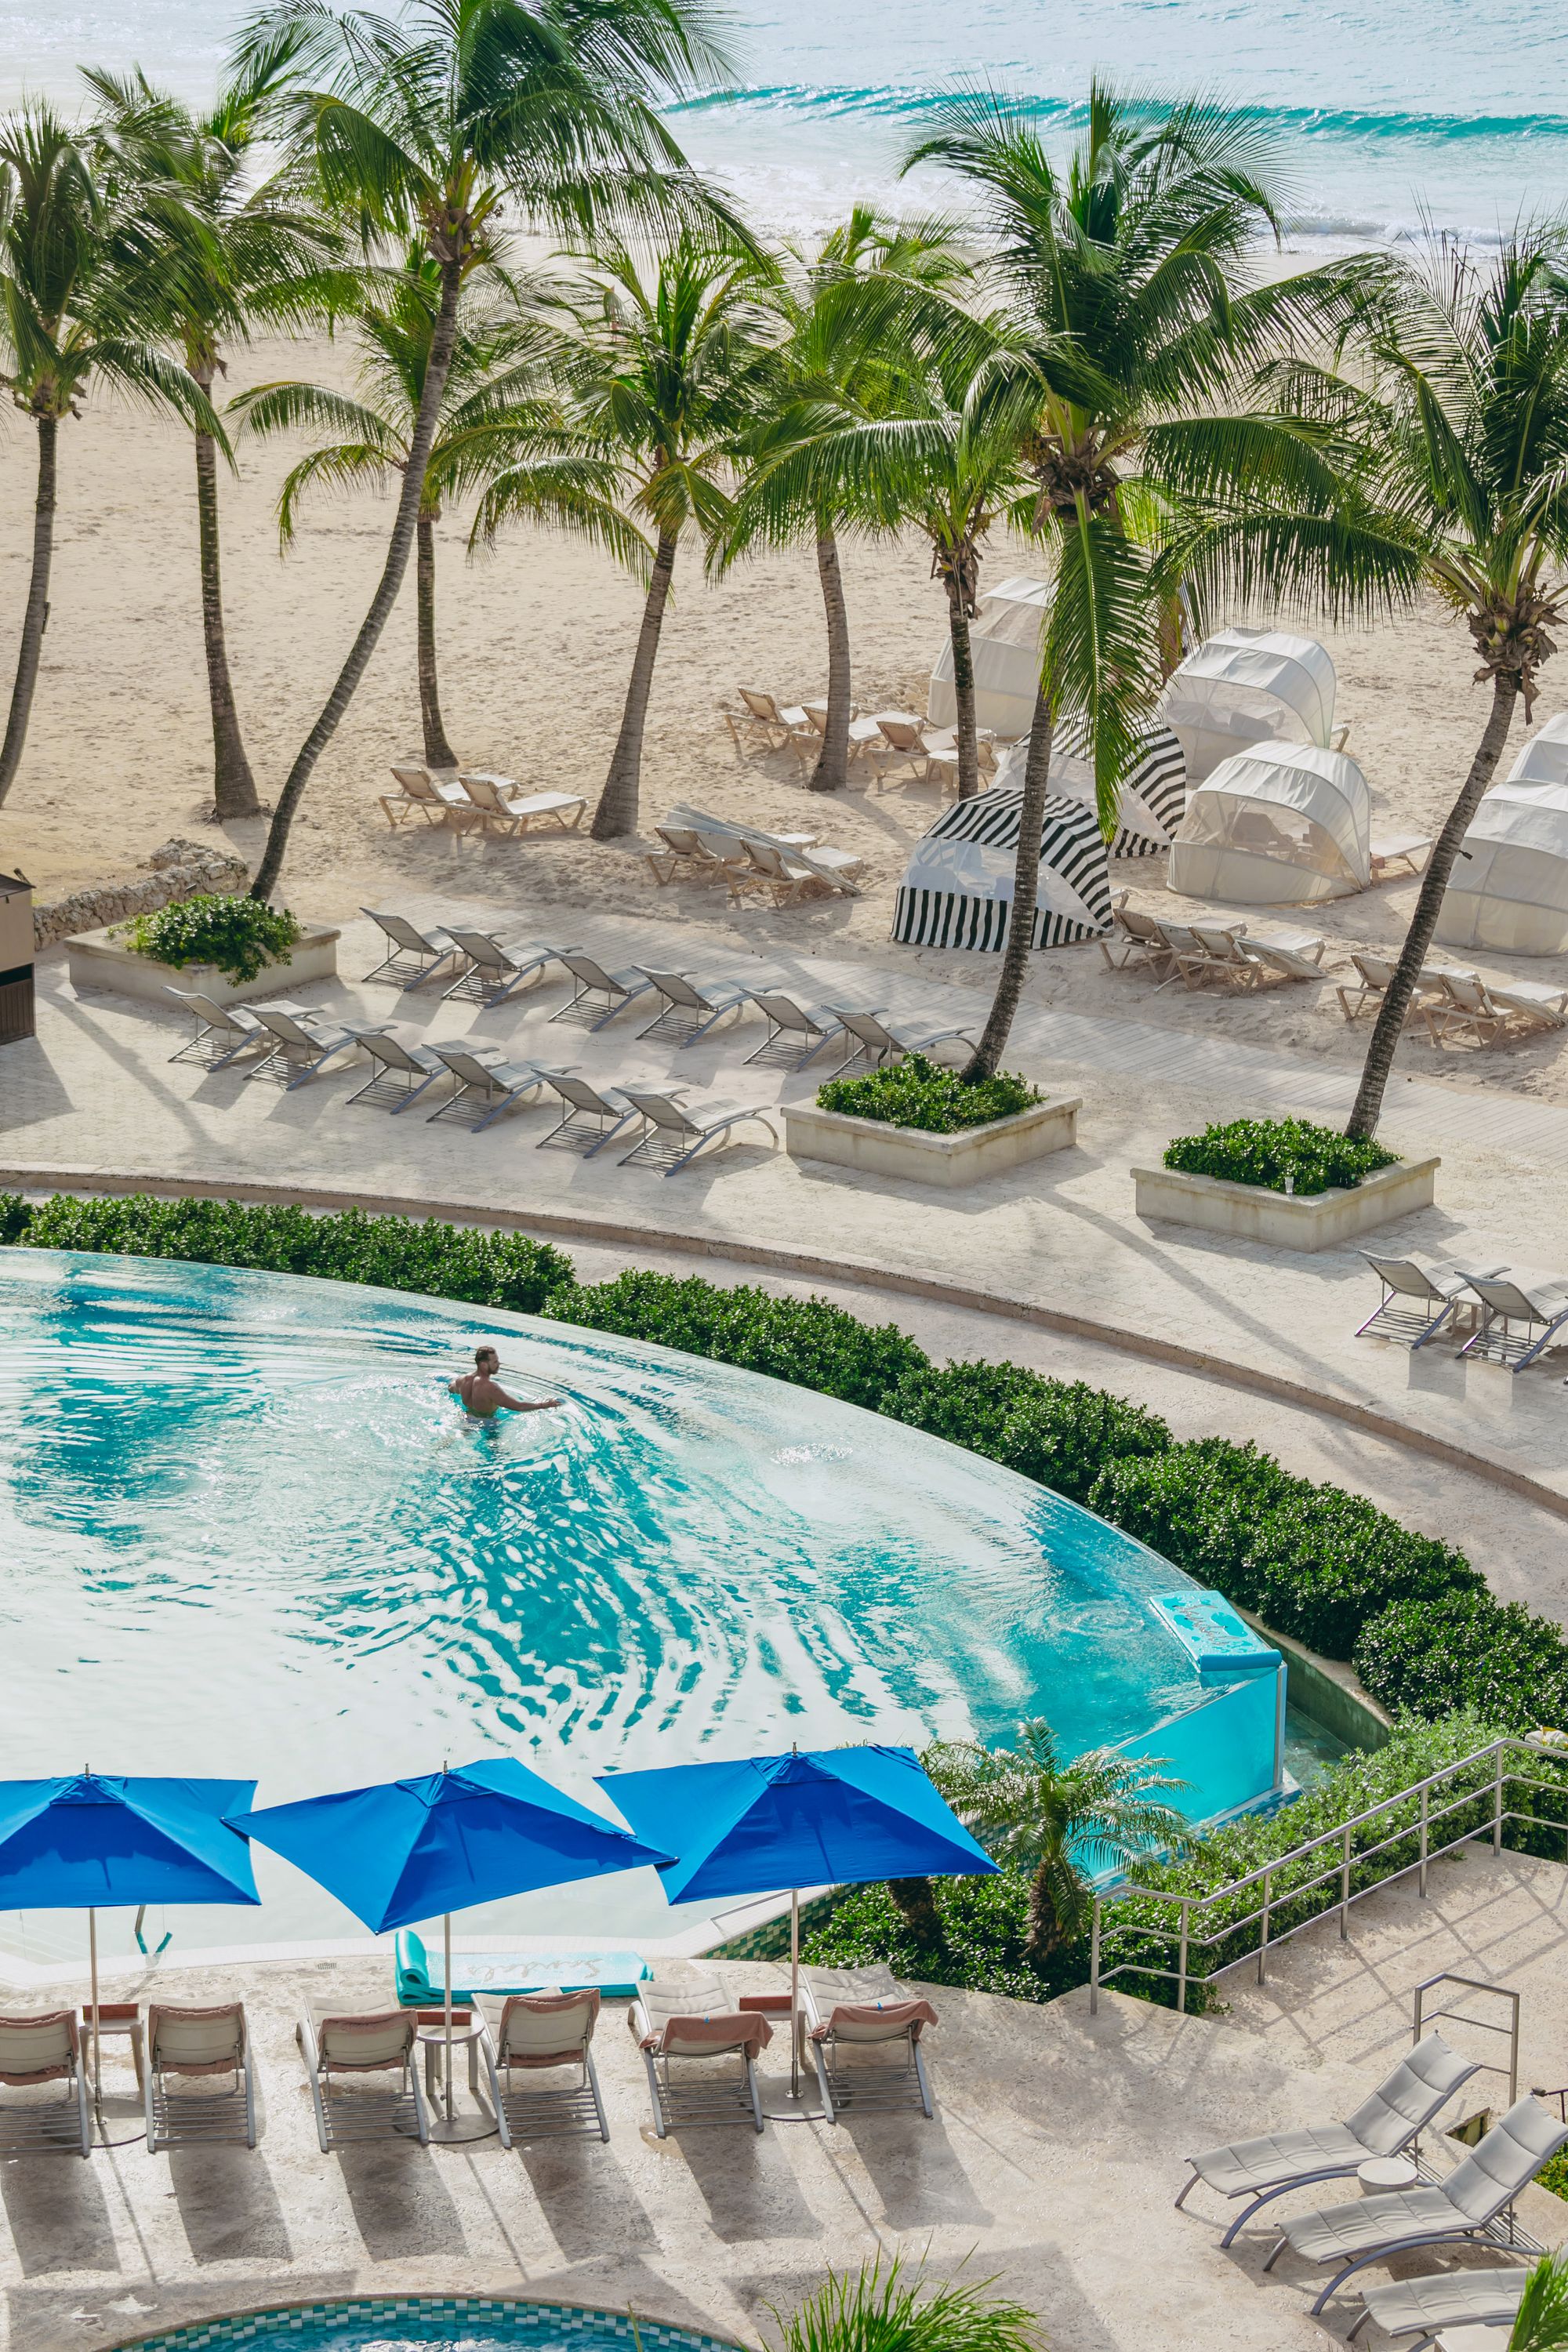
302 1044
222 1032
589 1119
1542 1310
535 2034
862 2031
597 995
38 2049
691 1007
400 1072
672 1136
1423 2307
412 958
440 800
1403 2104
363 2082
795 1032
491 971
198 2082
875 1042
489 1088
692 2037
1466 2206
1416 1301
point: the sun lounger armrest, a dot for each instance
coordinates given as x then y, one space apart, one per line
876 2021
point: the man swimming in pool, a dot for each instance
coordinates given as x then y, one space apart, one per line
483 1395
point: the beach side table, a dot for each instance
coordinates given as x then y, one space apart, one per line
122 2018
1380 2174
466 2027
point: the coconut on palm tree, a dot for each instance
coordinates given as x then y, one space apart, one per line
492 421
79 309
439 130
1066 1824
261 260
658 364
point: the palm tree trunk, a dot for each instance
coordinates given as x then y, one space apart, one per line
1025 896
36 617
1379 1064
617 811
832 770
234 787
438 753
398 551
916 1901
962 689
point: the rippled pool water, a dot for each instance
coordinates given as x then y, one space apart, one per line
435 2323
244 1531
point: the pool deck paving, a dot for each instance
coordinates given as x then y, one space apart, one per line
1052 2165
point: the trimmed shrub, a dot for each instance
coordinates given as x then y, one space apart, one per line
806 1340
1423 1656
236 933
1059 1433
925 1094
984 1922
1266 1151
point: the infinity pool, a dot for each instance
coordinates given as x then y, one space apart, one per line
244 1531
435 2323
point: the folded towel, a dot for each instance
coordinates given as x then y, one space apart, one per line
892 2014
699 2037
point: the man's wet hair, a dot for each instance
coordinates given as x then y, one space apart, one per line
483 1354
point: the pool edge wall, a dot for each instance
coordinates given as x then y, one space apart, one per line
1226 1751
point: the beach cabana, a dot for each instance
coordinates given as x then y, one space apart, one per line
1249 686
1284 825
1004 639
1152 798
1509 890
957 890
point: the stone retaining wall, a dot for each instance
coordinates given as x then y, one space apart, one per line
178 870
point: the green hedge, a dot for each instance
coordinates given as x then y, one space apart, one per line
926 1096
1464 1647
1266 1151
1059 1433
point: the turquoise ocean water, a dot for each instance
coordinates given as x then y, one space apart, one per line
1387 111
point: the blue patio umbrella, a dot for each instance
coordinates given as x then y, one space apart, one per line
836 1816
90 1842
407 1850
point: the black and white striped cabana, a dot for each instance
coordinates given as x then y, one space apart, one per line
957 890
1153 798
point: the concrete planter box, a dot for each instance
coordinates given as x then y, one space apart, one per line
1249 1213
98 962
874 1148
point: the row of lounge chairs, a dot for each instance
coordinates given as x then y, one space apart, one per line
1455 1003
178 2049
1466 2208
1202 953
787 868
884 743
1510 1315
476 801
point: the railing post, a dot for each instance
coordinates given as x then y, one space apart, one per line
1422 1882
1181 1965
1345 1887
1497 1803
1263 1942
1094 1963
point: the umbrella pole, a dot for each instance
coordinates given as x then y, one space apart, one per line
97 2046
794 1992
446 1975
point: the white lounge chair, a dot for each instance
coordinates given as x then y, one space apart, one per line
40 2048
1470 1006
1206 952
795 1033
686 2029
672 1136
302 1044
222 1032
903 745
413 958
597 995
1466 2207
683 857
1281 962
1375 974
344 2053
761 713
870 1039
493 970
1425 2307
439 797
503 807
490 1086
538 2033
590 1119
1385 2124
1416 1301
1541 1308
862 2031
1390 850
1136 942
786 880
185 2045
689 1008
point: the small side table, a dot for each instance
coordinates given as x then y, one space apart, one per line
116 2016
1380 2174
466 2027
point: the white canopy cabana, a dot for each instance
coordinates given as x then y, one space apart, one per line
1283 825
1005 638
957 890
1152 798
1249 686
1508 889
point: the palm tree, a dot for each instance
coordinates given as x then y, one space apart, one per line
893 2308
492 421
852 314
1465 431
260 260
1542 2322
658 369
1129 319
77 310
424 130
1068 1823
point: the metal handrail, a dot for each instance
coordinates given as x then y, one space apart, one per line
1474 1984
1184 1933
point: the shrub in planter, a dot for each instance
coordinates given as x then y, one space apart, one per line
1266 1151
984 1924
806 1340
1059 1433
1423 1656
240 935
924 1095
